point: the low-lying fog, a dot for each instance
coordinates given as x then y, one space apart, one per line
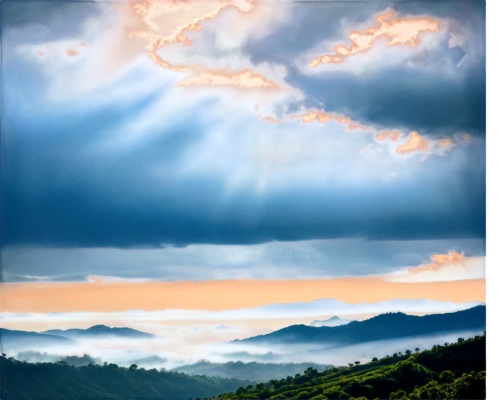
193 335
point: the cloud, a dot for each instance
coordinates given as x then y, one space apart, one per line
392 135
322 117
397 92
153 168
57 51
367 148
445 267
415 143
327 258
405 31
418 144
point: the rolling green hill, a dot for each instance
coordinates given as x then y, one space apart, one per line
21 380
252 371
455 371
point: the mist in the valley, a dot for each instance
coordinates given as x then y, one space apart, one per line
193 335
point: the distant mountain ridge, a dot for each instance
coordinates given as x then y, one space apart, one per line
97 331
381 327
223 328
23 340
336 307
331 322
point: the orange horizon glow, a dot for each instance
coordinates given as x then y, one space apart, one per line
94 296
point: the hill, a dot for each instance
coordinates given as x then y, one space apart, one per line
455 371
331 322
253 371
99 331
37 357
12 341
381 327
21 380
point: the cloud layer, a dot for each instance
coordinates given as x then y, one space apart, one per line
106 149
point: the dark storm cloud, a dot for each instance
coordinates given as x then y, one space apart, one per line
272 260
433 102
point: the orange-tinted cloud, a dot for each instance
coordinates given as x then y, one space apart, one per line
222 295
245 77
189 19
58 51
324 117
444 268
415 144
72 53
392 135
405 31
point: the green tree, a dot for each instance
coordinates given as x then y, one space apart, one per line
399 395
133 367
446 376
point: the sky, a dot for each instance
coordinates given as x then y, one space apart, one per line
229 155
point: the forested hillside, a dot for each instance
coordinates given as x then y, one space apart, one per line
453 371
21 380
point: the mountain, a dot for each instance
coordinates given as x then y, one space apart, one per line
223 328
100 331
124 357
331 322
36 356
332 306
455 371
12 340
60 381
253 370
382 327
